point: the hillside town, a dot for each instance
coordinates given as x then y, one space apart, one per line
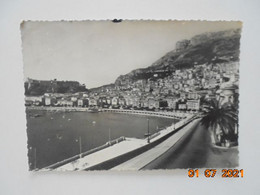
182 89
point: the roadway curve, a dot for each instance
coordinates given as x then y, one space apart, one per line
194 150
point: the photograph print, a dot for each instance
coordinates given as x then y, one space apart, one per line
128 95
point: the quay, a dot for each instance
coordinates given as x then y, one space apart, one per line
178 115
173 114
121 150
144 159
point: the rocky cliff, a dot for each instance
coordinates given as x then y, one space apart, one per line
206 48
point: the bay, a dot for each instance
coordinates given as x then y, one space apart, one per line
54 136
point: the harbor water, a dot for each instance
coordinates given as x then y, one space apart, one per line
56 135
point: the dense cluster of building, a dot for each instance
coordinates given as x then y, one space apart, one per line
183 89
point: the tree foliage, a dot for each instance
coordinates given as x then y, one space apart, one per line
223 116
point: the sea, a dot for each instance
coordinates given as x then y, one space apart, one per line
55 135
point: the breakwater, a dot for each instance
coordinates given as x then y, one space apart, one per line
73 158
117 151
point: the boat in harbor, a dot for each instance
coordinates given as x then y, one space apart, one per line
34 115
93 110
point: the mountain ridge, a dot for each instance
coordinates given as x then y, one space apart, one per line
209 47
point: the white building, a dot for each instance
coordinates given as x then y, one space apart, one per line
193 104
92 102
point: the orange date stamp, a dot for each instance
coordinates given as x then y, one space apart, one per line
211 173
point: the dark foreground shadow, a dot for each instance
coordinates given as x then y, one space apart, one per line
194 150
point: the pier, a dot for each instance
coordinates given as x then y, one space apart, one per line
118 151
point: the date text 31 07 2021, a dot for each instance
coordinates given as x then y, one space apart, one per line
226 173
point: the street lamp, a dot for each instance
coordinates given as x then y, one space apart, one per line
35 158
80 146
148 132
109 136
33 150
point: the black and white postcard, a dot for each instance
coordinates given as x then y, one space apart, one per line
131 95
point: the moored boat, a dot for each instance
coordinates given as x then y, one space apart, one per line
93 110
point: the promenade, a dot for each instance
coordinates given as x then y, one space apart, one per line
178 115
125 150
195 150
147 157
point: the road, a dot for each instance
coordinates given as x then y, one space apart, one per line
147 157
194 150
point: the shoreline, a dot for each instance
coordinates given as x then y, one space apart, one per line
169 114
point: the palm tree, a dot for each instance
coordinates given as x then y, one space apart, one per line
222 121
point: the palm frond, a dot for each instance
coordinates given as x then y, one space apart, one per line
225 116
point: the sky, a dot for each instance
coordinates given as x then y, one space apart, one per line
95 53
